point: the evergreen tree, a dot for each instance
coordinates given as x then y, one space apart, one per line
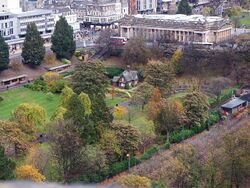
4 54
184 8
63 43
33 50
7 166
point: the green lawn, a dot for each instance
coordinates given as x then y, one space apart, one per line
116 100
14 97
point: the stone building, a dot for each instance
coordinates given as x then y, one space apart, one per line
180 28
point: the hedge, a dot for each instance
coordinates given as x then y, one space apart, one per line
150 152
113 71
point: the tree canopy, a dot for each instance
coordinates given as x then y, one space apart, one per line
28 172
4 54
33 50
63 44
7 166
184 8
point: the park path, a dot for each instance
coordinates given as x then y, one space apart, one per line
202 142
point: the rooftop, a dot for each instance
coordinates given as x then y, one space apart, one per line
180 17
34 13
234 103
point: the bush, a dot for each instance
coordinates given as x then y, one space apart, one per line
150 152
134 181
77 53
38 85
1 99
178 136
57 86
66 61
113 71
49 96
166 145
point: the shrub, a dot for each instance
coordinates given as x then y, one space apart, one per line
166 145
66 61
77 53
16 65
178 136
1 99
57 86
49 96
113 71
150 152
37 85
134 181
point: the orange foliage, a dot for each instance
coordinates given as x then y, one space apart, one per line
155 103
27 172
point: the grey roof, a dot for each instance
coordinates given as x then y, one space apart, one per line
130 75
115 78
34 13
234 103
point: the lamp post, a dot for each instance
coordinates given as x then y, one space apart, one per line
128 155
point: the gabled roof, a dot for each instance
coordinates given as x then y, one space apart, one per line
130 75
234 103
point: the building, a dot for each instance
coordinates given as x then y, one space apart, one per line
8 25
43 19
234 106
195 29
146 6
102 13
12 6
128 78
69 15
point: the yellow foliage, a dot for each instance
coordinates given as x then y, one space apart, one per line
134 181
120 111
27 172
50 77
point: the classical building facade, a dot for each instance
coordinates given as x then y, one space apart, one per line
180 28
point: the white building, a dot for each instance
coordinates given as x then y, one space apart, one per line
12 6
69 15
8 25
146 6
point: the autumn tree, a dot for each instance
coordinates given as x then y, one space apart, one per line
104 40
63 44
161 75
50 77
128 137
30 116
67 149
4 55
176 61
196 105
33 50
171 116
58 114
136 52
84 98
155 104
12 135
7 166
120 112
66 94
142 94
134 181
207 11
28 172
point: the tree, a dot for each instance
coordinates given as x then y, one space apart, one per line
171 116
50 77
12 136
120 111
160 75
7 166
196 105
59 114
142 94
67 148
63 44
33 50
184 8
155 104
134 181
84 98
207 11
30 116
4 54
128 137
176 61
66 94
136 52
104 41
27 172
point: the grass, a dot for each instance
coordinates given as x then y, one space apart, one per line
15 97
116 100
178 95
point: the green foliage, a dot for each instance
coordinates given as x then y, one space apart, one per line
57 86
33 50
1 98
49 96
150 152
4 55
113 71
184 8
37 85
166 145
66 94
63 44
66 61
59 114
178 136
86 102
7 166
196 105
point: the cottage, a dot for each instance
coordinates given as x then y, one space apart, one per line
128 78
234 106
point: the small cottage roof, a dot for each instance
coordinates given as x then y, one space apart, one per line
130 75
234 103
115 78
